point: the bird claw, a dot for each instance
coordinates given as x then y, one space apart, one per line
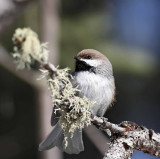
103 126
104 119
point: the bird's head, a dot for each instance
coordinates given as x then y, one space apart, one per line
93 61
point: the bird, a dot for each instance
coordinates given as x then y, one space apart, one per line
93 76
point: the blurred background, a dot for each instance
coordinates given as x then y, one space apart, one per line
127 32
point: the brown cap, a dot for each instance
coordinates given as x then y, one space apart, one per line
91 54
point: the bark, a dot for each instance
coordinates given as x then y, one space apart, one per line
127 137
118 149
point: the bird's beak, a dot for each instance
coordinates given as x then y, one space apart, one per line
76 58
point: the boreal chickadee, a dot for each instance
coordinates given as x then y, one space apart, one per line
94 77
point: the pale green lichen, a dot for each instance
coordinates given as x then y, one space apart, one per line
75 111
28 48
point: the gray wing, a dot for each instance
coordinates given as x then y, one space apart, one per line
55 138
54 117
75 144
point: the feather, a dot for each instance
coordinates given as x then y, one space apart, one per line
56 138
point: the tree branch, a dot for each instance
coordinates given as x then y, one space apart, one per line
127 137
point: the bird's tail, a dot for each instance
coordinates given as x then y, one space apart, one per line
56 138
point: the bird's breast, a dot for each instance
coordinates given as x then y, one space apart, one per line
95 87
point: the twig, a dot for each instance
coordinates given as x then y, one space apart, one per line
104 124
50 67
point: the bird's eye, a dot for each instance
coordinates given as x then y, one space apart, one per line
88 57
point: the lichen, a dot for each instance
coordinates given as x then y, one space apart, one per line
28 48
75 111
